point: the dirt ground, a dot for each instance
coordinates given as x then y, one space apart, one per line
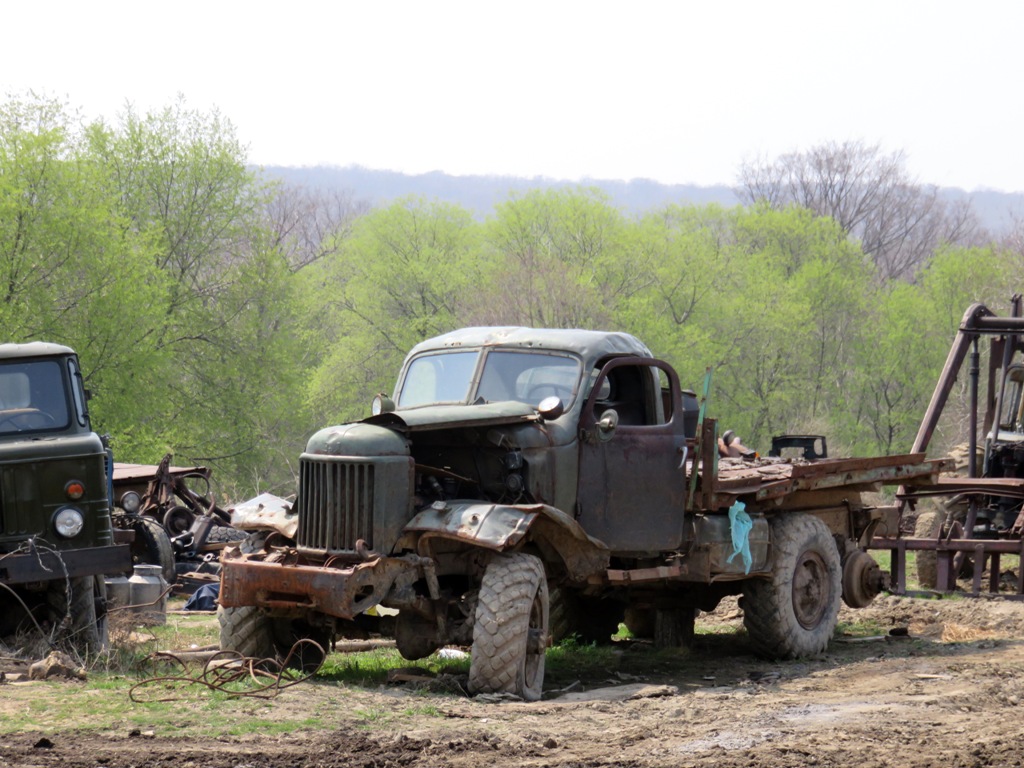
942 684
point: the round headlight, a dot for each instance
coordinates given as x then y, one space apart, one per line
381 404
130 502
68 522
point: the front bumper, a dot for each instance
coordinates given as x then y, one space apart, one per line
48 564
343 592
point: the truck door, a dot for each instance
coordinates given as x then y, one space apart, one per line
632 479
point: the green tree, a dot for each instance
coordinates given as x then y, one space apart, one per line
778 329
897 362
958 277
560 260
406 273
73 271
686 260
898 222
223 360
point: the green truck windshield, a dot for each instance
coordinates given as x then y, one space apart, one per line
32 397
528 377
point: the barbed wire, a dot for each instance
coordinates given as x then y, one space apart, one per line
28 612
32 546
226 668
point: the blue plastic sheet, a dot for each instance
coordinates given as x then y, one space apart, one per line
204 598
739 526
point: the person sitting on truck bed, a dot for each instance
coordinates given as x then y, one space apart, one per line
729 446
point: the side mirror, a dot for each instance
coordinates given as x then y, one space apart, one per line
606 426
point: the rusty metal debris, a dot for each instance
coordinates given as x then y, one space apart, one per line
173 514
266 512
186 514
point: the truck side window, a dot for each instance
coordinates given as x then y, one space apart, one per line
634 392
78 390
665 394
626 394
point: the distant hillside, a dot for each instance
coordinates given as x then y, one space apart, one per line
480 193
997 210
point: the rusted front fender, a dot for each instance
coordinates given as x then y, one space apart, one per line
501 527
343 592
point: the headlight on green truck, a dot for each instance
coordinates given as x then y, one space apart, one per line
68 522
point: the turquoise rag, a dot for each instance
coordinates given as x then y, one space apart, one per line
740 525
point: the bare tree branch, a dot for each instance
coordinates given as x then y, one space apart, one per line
870 195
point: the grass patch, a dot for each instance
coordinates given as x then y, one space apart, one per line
103 704
860 628
132 641
371 668
884 559
570 660
715 628
375 718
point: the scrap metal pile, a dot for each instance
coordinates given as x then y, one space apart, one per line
172 510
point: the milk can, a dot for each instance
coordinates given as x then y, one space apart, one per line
119 591
148 596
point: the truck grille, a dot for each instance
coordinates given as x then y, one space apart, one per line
335 505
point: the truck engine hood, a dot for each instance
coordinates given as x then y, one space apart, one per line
40 448
357 439
384 434
441 416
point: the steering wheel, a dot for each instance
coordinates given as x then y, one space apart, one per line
537 393
29 415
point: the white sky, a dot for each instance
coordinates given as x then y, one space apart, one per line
678 92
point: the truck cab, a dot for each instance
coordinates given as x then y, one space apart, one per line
56 537
604 426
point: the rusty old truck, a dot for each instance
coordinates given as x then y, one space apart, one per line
524 484
56 536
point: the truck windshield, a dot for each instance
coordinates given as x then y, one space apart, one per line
32 397
527 377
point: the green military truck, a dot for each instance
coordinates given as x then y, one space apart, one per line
56 537
524 484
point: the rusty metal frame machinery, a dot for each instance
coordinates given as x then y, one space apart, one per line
951 548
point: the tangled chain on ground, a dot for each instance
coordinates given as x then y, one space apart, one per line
230 668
